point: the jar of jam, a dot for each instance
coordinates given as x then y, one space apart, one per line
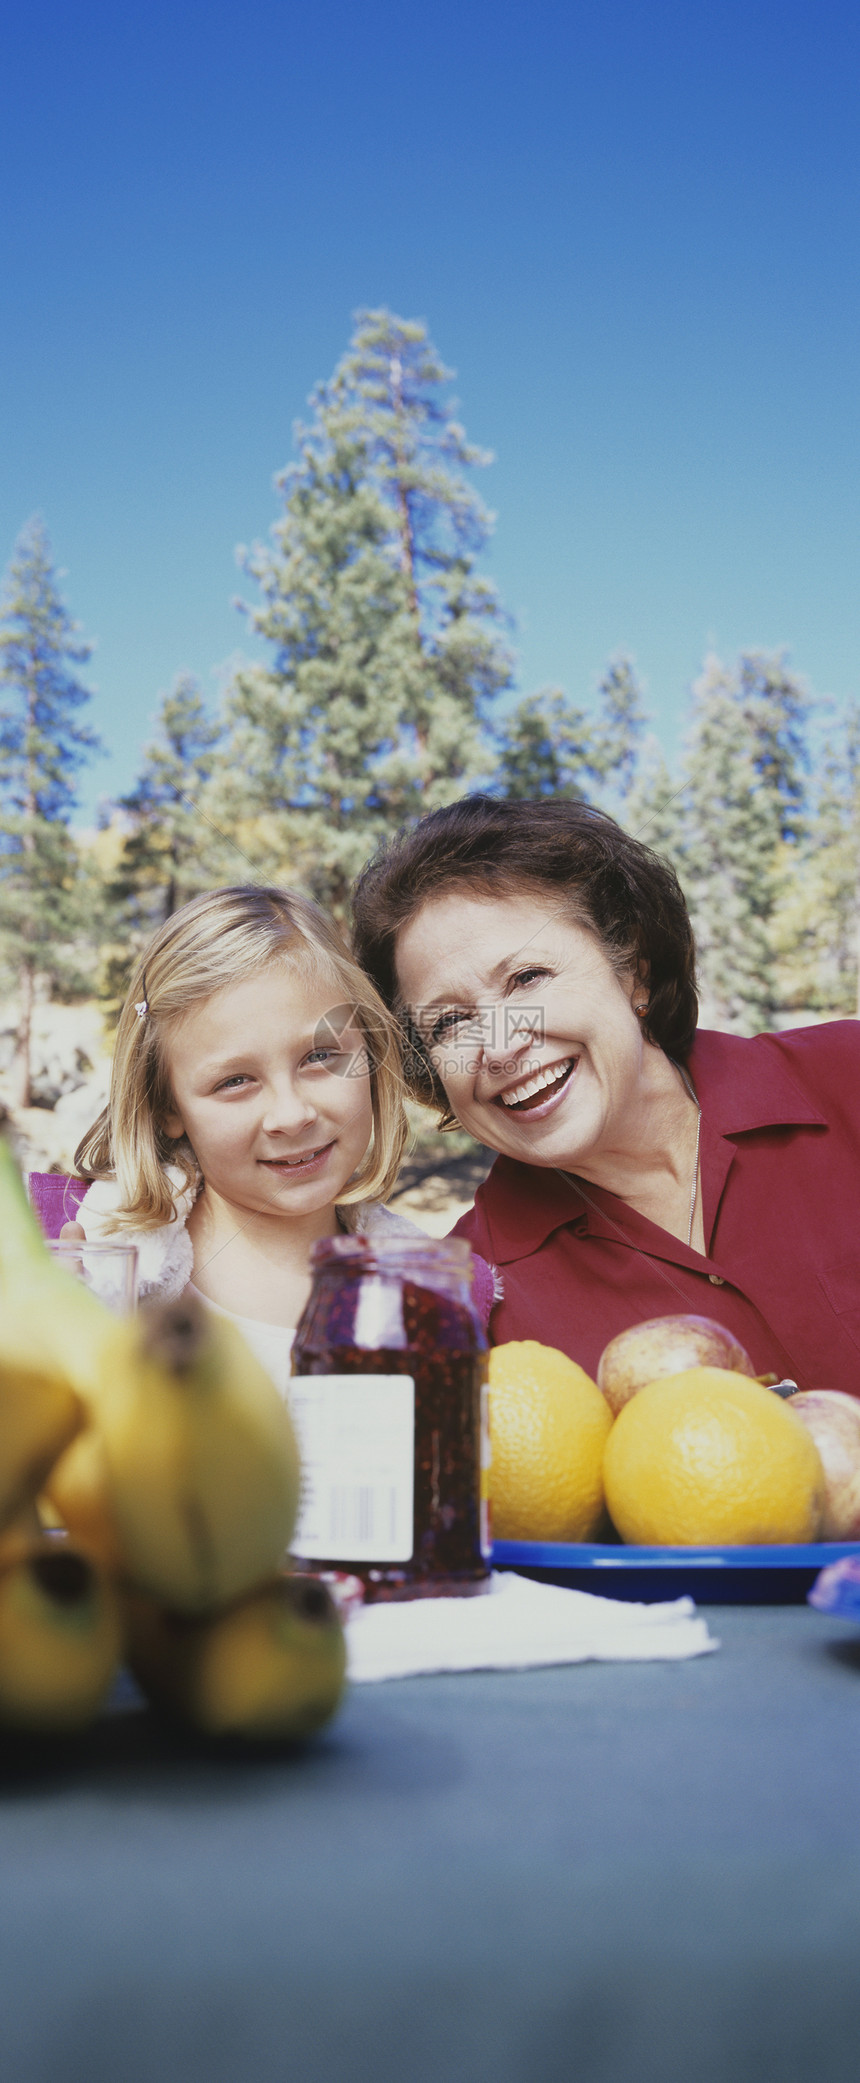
389 1401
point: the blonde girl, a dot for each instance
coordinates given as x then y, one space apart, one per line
256 1106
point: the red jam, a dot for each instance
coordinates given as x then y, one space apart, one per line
391 1307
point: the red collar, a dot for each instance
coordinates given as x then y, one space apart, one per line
740 1084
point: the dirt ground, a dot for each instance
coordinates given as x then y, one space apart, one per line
433 1191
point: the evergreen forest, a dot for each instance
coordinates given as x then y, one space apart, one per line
381 686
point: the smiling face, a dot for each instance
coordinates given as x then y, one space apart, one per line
278 1119
528 1026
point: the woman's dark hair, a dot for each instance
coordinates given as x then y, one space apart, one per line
566 853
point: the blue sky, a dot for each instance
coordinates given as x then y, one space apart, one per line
631 225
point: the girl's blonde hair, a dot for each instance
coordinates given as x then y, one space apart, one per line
218 940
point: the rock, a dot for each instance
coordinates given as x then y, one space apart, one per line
70 1081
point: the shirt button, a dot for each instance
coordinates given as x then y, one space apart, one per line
716 1279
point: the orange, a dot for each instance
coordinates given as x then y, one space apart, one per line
548 1428
709 1456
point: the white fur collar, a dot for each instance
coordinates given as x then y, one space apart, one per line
165 1256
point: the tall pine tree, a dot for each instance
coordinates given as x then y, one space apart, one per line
43 743
744 803
388 644
654 807
391 391
547 745
170 840
620 725
817 917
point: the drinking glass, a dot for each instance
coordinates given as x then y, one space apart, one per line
109 1269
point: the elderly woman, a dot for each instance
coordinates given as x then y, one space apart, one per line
543 964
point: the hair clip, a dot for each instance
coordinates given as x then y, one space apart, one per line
142 1009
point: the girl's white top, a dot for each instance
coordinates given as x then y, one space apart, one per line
271 1344
166 1260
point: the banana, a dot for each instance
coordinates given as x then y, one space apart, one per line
78 1491
201 1458
269 1668
39 1415
44 1311
18 1536
60 1639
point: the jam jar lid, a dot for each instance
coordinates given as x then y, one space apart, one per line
451 1255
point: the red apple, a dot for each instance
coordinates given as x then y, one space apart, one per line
834 1422
665 1345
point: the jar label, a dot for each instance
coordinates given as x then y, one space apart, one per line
356 1435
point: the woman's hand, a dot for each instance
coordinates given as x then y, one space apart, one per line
70 1230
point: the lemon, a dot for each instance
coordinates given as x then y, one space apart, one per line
709 1456
548 1428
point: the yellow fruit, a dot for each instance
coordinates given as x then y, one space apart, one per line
270 1667
39 1415
60 1639
18 1537
201 1458
48 1317
548 1428
710 1457
78 1491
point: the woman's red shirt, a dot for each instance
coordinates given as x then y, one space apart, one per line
780 1167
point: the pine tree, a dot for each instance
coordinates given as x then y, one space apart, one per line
314 755
621 724
391 391
654 808
744 800
167 847
545 748
388 648
43 743
817 918
775 706
547 745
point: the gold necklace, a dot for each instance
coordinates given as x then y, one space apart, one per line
694 1190
572 1179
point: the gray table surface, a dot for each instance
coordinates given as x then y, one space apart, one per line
605 1874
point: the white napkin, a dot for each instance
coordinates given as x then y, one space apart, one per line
515 1624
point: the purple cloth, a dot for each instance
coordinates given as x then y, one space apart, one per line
55 1198
483 1288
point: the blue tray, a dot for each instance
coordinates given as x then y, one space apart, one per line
713 1576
